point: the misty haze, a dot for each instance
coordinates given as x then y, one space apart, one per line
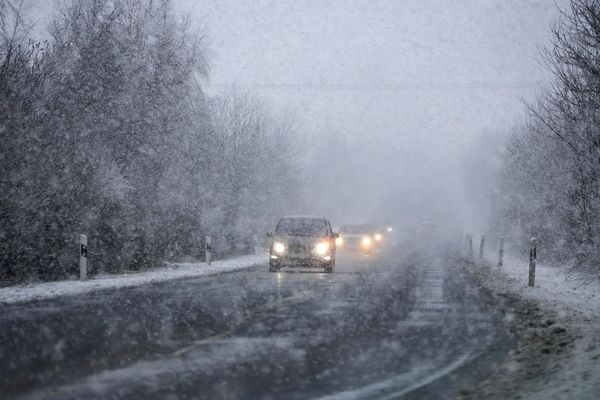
345 199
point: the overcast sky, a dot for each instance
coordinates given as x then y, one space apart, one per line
437 67
414 82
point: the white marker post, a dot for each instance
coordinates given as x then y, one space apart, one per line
208 249
83 257
255 243
470 246
501 252
532 261
481 247
466 243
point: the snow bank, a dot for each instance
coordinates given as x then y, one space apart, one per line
46 290
557 327
564 293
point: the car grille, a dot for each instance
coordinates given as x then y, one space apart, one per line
352 241
299 248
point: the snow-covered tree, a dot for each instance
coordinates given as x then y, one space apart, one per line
106 130
552 171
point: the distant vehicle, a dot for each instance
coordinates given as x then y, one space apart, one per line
362 238
303 241
428 229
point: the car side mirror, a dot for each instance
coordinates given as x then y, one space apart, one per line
335 235
269 235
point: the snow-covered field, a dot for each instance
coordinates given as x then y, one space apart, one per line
46 290
557 328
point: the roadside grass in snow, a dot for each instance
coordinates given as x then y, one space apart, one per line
47 290
557 327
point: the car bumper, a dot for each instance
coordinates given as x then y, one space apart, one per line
302 262
355 249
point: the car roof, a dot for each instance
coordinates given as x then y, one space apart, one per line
302 217
358 228
362 226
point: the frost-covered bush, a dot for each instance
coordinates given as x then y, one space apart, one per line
552 167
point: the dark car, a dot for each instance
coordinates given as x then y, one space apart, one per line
300 241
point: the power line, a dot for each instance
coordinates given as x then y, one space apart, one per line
386 86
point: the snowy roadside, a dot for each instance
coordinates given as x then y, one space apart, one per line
557 329
46 290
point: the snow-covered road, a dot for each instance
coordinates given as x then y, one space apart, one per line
403 325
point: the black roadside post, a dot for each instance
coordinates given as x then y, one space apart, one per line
501 252
532 261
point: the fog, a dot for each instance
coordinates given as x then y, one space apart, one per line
397 98
448 149
402 105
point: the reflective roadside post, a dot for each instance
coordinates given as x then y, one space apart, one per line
255 243
532 261
208 249
481 247
470 246
82 257
501 252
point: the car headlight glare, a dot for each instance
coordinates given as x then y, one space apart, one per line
322 248
278 247
366 241
339 241
378 237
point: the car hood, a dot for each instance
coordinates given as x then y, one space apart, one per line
354 235
299 240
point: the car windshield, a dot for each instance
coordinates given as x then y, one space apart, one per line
302 227
356 229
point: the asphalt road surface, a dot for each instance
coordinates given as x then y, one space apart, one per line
402 325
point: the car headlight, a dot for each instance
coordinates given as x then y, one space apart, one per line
339 240
278 247
322 248
389 229
366 241
378 237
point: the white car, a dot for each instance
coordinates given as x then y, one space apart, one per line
359 238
